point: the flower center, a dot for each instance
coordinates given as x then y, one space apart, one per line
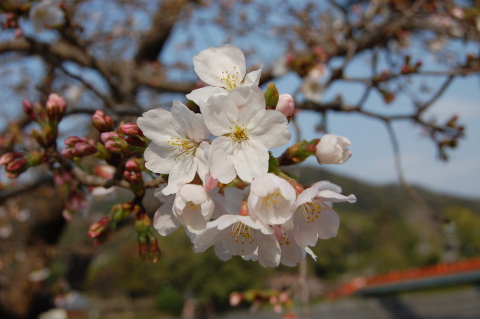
311 211
231 78
239 134
272 199
192 206
183 146
242 234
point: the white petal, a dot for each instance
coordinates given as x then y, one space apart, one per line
205 239
222 252
200 96
253 78
292 253
159 159
311 253
269 252
328 222
272 211
189 122
220 114
271 129
201 156
305 233
210 63
158 125
165 224
250 159
334 197
181 173
250 103
221 162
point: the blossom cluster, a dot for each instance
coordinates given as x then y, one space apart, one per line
224 185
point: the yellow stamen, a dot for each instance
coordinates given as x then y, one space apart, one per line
239 134
231 78
272 199
184 146
242 234
311 211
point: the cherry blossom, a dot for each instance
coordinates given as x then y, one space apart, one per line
245 132
222 68
177 146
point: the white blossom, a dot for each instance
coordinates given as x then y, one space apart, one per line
46 14
271 199
246 131
237 235
314 216
177 146
222 68
333 149
193 207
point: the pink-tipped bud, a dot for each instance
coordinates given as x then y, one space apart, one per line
16 167
99 228
286 105
78 147
9 157
107 136
113 146
130 129
72 140
28 108
56 107
133 165
102 122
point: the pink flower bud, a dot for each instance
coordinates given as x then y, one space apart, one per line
286 105
102 121
28 108
72 140
333 149
9 157
99 228
113 146
78 147
106 136
17 166
130 129
56 106
133 165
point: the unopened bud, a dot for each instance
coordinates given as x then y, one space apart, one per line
106 136
78 147
333 149
286 105
102 122
235 299
130 129
9 157
99 228
133 165
56 107
28 108
16 167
